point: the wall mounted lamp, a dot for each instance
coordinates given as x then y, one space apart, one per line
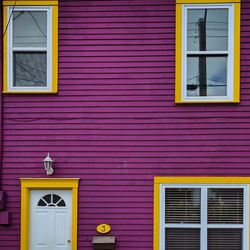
48 162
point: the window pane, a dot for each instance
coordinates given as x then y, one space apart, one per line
225 206
30 29
182 205
182 239
224 239
207 76
47 198
56 198
41 203
61 204
207 29
30 69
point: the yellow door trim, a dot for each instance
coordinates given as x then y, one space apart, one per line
28 184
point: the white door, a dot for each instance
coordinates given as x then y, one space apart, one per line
50 219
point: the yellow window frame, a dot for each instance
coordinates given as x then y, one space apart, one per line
188 180
53 4
28 184
178 52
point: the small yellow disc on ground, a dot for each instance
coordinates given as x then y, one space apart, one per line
103 228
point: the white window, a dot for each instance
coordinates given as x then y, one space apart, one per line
209 48
30 46
207 217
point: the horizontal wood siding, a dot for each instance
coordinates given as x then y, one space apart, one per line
114 123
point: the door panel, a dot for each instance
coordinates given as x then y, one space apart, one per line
50 219
42 230
60 228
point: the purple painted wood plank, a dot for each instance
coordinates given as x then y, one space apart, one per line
122 109
123 162
144 127
77 71
106 65
107 59
68 13
79 21
169 120
131 47
117 53
77 11
94 145
124 132
243 149
117 115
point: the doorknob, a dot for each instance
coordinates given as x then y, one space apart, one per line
69 241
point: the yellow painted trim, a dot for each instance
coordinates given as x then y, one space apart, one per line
74 217
25 197
237 52
5 50
206 1
156 216
31 3
201 180
186 180
28 184
54 49
178 52
29 92
206 101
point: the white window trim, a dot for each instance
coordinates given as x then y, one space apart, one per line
203 216
230 53
11 49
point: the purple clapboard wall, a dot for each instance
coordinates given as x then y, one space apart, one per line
114 123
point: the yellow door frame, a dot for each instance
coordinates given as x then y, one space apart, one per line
28 184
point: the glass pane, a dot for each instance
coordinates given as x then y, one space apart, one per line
207 29
182 205
182 239
30 69
47 198
224 239
56 198
41 203
61 204
225 206
207 76
30 29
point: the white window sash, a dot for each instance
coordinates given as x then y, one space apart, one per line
229 52
203 225
12 49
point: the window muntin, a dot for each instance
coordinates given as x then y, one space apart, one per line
222 212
